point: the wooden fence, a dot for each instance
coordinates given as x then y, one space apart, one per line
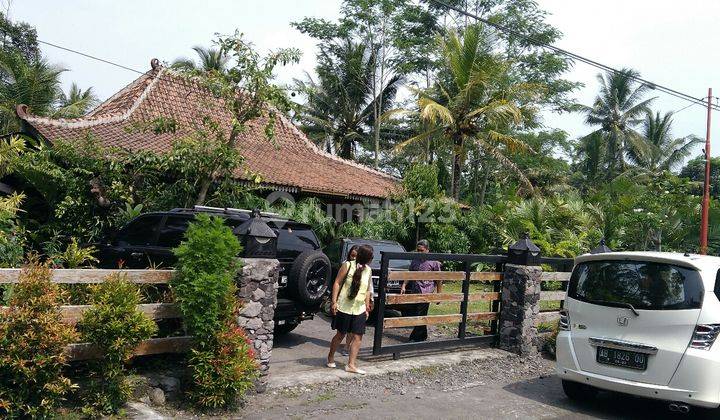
444 276
71 314
548 316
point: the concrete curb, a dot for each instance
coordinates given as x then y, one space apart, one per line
326 375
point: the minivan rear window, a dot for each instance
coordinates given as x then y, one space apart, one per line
642 284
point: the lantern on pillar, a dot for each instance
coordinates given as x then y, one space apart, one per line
257 238
601 249
524 252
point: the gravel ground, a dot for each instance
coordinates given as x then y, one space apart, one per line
415 382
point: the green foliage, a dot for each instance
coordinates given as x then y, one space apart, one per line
222 373
74 256
115 325
33 340
12 236
204 284
222 363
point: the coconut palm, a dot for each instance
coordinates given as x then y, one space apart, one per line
664 153
619 108
35 84
474 100
209 59
75 103
338 112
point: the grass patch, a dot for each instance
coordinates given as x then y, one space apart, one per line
325 396
549 305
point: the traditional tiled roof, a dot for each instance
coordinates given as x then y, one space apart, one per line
290 161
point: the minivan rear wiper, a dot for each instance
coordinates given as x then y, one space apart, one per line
620 304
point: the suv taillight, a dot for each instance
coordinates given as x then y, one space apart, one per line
704 336
564 323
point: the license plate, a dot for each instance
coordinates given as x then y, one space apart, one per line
622 358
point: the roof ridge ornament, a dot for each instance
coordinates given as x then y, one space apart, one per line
155 64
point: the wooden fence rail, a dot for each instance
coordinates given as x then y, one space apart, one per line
71 314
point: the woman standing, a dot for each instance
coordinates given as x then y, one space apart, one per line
351 306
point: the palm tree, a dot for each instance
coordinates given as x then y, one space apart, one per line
75 103
474 100
36 84
618 109
664 153
339 109
210 59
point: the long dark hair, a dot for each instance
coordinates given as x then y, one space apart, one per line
364 256
352 248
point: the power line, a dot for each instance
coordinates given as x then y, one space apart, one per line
91 56
652 85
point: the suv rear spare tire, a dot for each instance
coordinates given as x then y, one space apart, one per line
310 277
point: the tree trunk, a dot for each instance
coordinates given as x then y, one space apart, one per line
204 188
457 169
486 176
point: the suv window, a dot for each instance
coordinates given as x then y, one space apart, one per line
171 233
643 284
296 239
141 231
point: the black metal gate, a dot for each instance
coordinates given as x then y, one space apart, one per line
464 270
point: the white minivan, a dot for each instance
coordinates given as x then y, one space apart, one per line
642 323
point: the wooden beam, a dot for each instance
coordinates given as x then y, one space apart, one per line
93 275
395 299
71 314
486 276
411 321
426 275
553 295
555 276
85 351
443 275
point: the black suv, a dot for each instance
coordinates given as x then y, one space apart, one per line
148 240
337 252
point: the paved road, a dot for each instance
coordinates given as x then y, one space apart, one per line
306 347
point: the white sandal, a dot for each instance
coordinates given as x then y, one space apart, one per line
331 365
356 370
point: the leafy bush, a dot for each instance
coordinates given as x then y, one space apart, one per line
224 371
12 236
74 256
204 285
222 363
33 340
116 327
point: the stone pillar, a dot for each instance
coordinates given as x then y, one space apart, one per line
520 307
257 292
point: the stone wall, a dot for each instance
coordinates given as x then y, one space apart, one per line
520 307
257 292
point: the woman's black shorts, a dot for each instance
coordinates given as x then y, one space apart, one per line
346 323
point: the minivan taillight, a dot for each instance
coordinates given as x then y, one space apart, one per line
704 336
564 324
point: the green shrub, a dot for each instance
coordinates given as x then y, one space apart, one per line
225 371
33 340
204 285
222 363
116 327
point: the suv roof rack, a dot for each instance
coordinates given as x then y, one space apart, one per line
226 210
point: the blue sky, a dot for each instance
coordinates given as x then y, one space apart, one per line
670 42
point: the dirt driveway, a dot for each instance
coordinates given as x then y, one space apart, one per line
509 387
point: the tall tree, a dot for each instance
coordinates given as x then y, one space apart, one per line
36 84
618 110
75 103
208 59
474 100
341 108
663 152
